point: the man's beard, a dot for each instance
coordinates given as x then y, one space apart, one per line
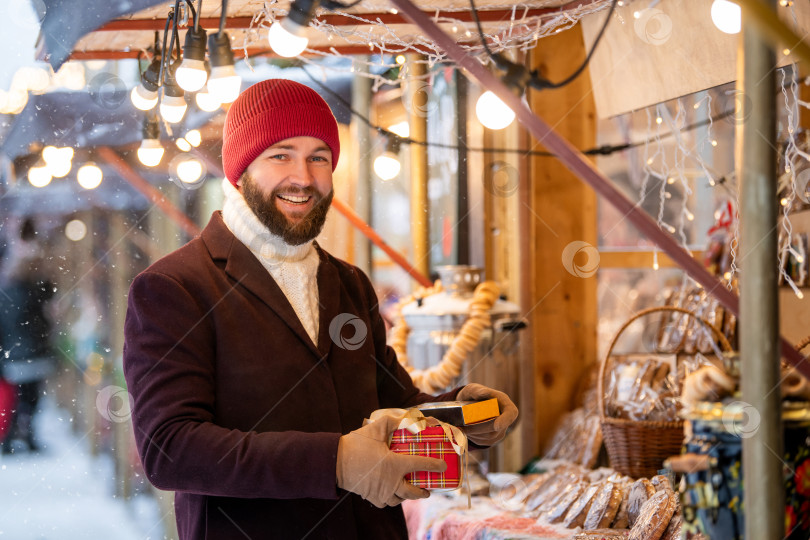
264 206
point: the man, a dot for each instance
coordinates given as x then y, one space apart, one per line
249 395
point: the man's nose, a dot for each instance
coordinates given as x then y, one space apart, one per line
300 174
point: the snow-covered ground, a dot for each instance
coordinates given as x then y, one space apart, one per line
64 493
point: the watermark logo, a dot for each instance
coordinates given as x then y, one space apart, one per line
509 493
501 179
107 91
741 419
359 332
114 404
187 171
737 105
416 98
572 259
652 26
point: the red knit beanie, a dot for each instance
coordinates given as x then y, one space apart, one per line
269 112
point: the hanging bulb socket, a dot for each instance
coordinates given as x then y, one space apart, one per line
151 127
150 151
192 74
301 12
144 96
173 104
224 83
219 47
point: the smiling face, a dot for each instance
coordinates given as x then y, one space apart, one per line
289 188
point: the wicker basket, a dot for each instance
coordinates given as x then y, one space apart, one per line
639 448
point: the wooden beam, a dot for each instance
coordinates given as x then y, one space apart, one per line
563 306
148 190
760 378
346 50
339 19
638 259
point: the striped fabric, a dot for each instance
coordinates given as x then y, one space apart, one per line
430 442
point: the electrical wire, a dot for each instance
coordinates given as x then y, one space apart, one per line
222 16
163 54
197 17
190 6
604 150
519 74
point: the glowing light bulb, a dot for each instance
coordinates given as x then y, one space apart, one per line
714 142
39 176
658 120
400 59
205 101
50 154
727 276
400 128
492 112
89 176
784 201
189 170
75 230
191 74
285 42
150 152
183 144
173 108
387 166
59 169
194 137
143 99
224 84
727 16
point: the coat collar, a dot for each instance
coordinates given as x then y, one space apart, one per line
242 266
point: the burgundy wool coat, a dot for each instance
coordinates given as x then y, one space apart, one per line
238 411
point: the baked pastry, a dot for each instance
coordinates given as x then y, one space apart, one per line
654 517
640 490
673 530
709 383
622 520
563 503
579 510
545 494
660 482
604 507
601 534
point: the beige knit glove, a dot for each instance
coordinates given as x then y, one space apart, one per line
367 467
488 433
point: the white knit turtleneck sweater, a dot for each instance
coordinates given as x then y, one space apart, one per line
294 268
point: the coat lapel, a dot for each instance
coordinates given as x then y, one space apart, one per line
248 272
328 299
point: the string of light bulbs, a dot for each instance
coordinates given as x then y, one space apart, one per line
792 153
172 73
603 150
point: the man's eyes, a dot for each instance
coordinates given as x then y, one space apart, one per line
279 157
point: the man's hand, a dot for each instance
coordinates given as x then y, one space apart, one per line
366 466
488 433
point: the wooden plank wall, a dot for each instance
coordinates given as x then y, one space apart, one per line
561 307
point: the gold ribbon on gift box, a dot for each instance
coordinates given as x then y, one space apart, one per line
414 421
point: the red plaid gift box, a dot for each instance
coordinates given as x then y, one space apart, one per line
430 442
